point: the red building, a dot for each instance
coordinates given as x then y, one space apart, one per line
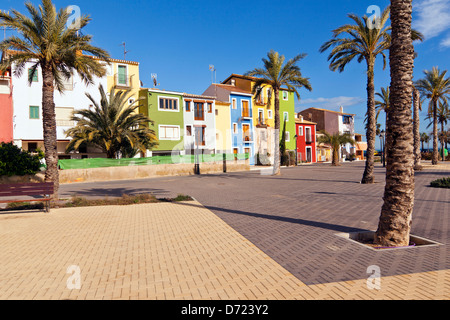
6 108
306 140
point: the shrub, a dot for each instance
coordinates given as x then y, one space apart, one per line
16 162
441 183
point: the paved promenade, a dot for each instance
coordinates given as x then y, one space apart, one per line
229 245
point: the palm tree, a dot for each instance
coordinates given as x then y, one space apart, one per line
112 125
436 87
335 141
383 103
48 44
396 214
417 105
424 138
443 115
363 42
277 74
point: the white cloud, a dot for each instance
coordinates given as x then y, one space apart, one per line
331 103
446 42
433 18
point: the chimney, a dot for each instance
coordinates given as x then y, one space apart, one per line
233 82
342 109
300 117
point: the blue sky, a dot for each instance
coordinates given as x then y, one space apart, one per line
178 40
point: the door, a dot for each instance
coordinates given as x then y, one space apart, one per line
122 75
308 154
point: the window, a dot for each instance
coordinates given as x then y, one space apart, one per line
188 106
300 131
198 111
122 75
34 112
168 104
189 131
217 112
235 129
35 75
246 133
308 135
260 116
269 114
63 117
169 132
200 136
346 120
288 136
209 107
234 104
286 116
32 146
285 95
245 109
68 84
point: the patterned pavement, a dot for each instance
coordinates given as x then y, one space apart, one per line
248 237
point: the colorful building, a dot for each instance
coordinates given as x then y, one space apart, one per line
333 122
200 124
124 75
305 140
27 119
240 117
165 109
6 107
263 114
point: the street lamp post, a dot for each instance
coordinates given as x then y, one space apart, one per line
383 139
296 150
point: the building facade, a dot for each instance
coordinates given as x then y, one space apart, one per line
305 141
333 122
6 107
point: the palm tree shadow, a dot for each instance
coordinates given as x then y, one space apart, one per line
316 224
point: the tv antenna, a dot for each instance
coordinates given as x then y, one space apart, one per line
124 50
213 73
155 80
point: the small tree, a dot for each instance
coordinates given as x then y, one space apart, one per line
335 141
113 126
17 162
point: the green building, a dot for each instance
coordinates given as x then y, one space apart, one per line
287 111
165 108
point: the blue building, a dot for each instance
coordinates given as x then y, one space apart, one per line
241 119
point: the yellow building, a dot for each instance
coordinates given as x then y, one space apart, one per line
223 131
124 75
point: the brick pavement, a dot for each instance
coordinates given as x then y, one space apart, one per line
294 218
163 251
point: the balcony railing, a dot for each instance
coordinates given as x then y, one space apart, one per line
122 81
248 138
246 113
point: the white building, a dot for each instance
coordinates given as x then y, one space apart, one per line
199 123
27 114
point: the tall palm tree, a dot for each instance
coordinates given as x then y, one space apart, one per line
364 43
417 106
443 116
335 141
276 74
424 138
383 103
112 125
396 214
364 40
436 87
47 43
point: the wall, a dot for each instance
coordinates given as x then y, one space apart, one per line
236 117
223 120
6 111
144 172
289 107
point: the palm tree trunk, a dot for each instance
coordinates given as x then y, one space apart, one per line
371 125
417 152
443 140
396 214
435 158
276 160
335 161
49 124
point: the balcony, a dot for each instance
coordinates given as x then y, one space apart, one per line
247 138
122 81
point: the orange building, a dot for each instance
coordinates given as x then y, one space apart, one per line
6 108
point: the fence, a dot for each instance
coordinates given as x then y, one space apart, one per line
174 159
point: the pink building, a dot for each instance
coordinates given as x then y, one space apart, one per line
6 108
